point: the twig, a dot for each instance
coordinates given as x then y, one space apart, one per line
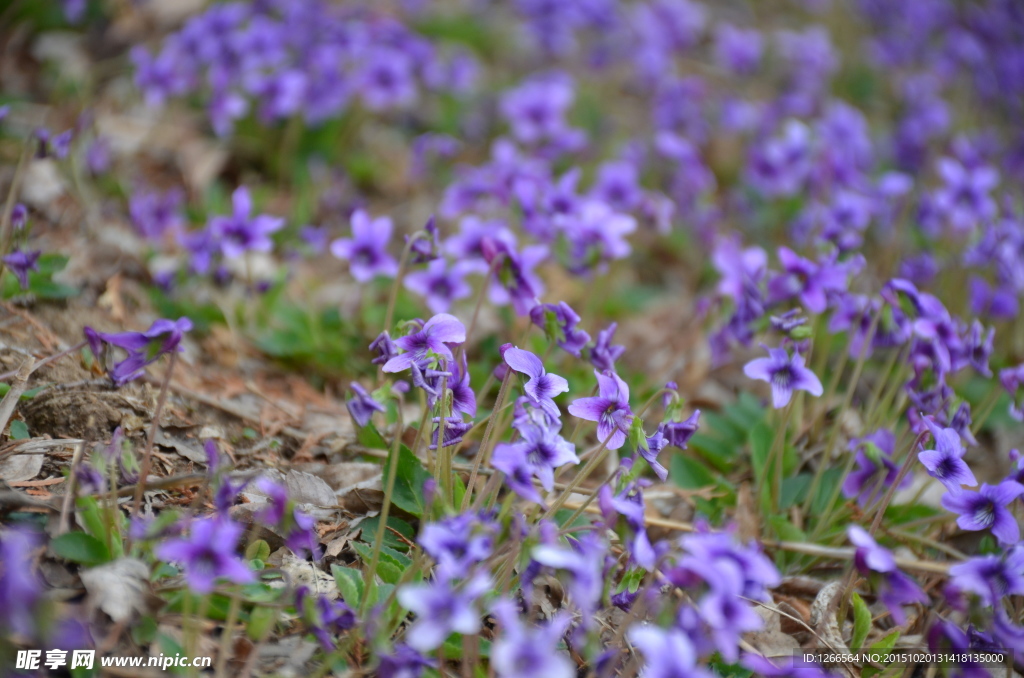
18 387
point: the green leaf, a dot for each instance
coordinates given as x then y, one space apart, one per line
761 438
369 532
19 430
350 583
885 644
389 572
829 480
786 530
794 490
261 620
258 550
861 622
410 474
689 473
79 547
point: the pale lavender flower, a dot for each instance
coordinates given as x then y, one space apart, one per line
540 386
386 80
511 460
19 217
404 662
965 198
457 543
987 509
1012 379
895 589
806 280
738 50
785 374
366 251
873 465
208 554
514 279
20 587
240 232
610 409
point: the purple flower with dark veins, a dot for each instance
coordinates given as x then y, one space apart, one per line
463 398
965 198
144 348
384 347
240 232
987 509
785 374
442 284
208 554
992 577
536 109
386 80
362 405
945 463
366 251
21 262
610 409
454 429
442 609
541 448
541 387
434 337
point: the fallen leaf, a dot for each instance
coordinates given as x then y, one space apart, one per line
21 467
120 588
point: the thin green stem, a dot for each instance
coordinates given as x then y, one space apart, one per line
402 265
389 489
478 458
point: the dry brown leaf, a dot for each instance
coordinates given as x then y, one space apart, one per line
21 467
119 588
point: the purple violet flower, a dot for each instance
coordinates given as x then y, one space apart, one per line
992 577
808 281
559 324
458 543
434 337
785 374
20 587
540 448
987 509
610 409
1012 378
208 554
945 463
241 233
144 348
511 460
895 589
19 217
873 457
441 609
668 653
155 213
362 405
21 262
442 284
526 652
366 251
404 662
604 355
541 387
